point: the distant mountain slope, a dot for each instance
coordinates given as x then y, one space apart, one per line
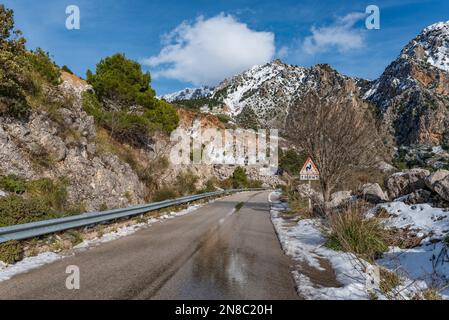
411 96
263 95
412 93
188 94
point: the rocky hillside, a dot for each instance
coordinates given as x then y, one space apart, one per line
63 142
412 93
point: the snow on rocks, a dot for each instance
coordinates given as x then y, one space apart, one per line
188 94
435 177
405 182
428 262
430 222
340 197
441 187
372 192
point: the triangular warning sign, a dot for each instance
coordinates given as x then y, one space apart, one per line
309 168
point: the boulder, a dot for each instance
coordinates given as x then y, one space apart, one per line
419 196
372 192
406 182
340 197
3 193
384 166
435 177
441 187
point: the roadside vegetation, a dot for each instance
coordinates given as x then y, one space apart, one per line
187 183
24 75
34 200
351 231
31 201
124 103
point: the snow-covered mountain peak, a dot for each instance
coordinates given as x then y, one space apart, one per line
252 86
430 46
188 94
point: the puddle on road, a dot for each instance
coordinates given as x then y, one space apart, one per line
219 270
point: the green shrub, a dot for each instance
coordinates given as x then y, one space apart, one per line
66 69
75 237
162 116
351 232
52 192
13 183
17 210
224 118
93 107
122 80
239 178
41 62
210 186
185 183
254 183
291 161
132 128
41 199
13 68
226 184
128 127
165 193
11 252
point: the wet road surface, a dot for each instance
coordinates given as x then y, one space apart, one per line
215 252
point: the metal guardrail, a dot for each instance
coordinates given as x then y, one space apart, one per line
39 228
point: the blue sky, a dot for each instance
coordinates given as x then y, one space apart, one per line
187 43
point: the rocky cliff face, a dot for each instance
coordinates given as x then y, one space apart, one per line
413 92
61 142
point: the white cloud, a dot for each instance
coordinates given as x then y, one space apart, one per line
210 50
342 35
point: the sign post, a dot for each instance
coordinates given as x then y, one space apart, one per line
309 172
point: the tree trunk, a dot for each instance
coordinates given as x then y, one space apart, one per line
326 196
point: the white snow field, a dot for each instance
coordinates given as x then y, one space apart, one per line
419 268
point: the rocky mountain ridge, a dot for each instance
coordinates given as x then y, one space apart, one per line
188 94
410 97
413 92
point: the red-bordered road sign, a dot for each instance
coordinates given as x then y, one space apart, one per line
309 171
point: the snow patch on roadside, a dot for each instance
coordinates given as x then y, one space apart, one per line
27 264
30 263
419 268
304 242
128 230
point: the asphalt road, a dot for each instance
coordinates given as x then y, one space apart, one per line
214 252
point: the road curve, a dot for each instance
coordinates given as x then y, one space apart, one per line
215 252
